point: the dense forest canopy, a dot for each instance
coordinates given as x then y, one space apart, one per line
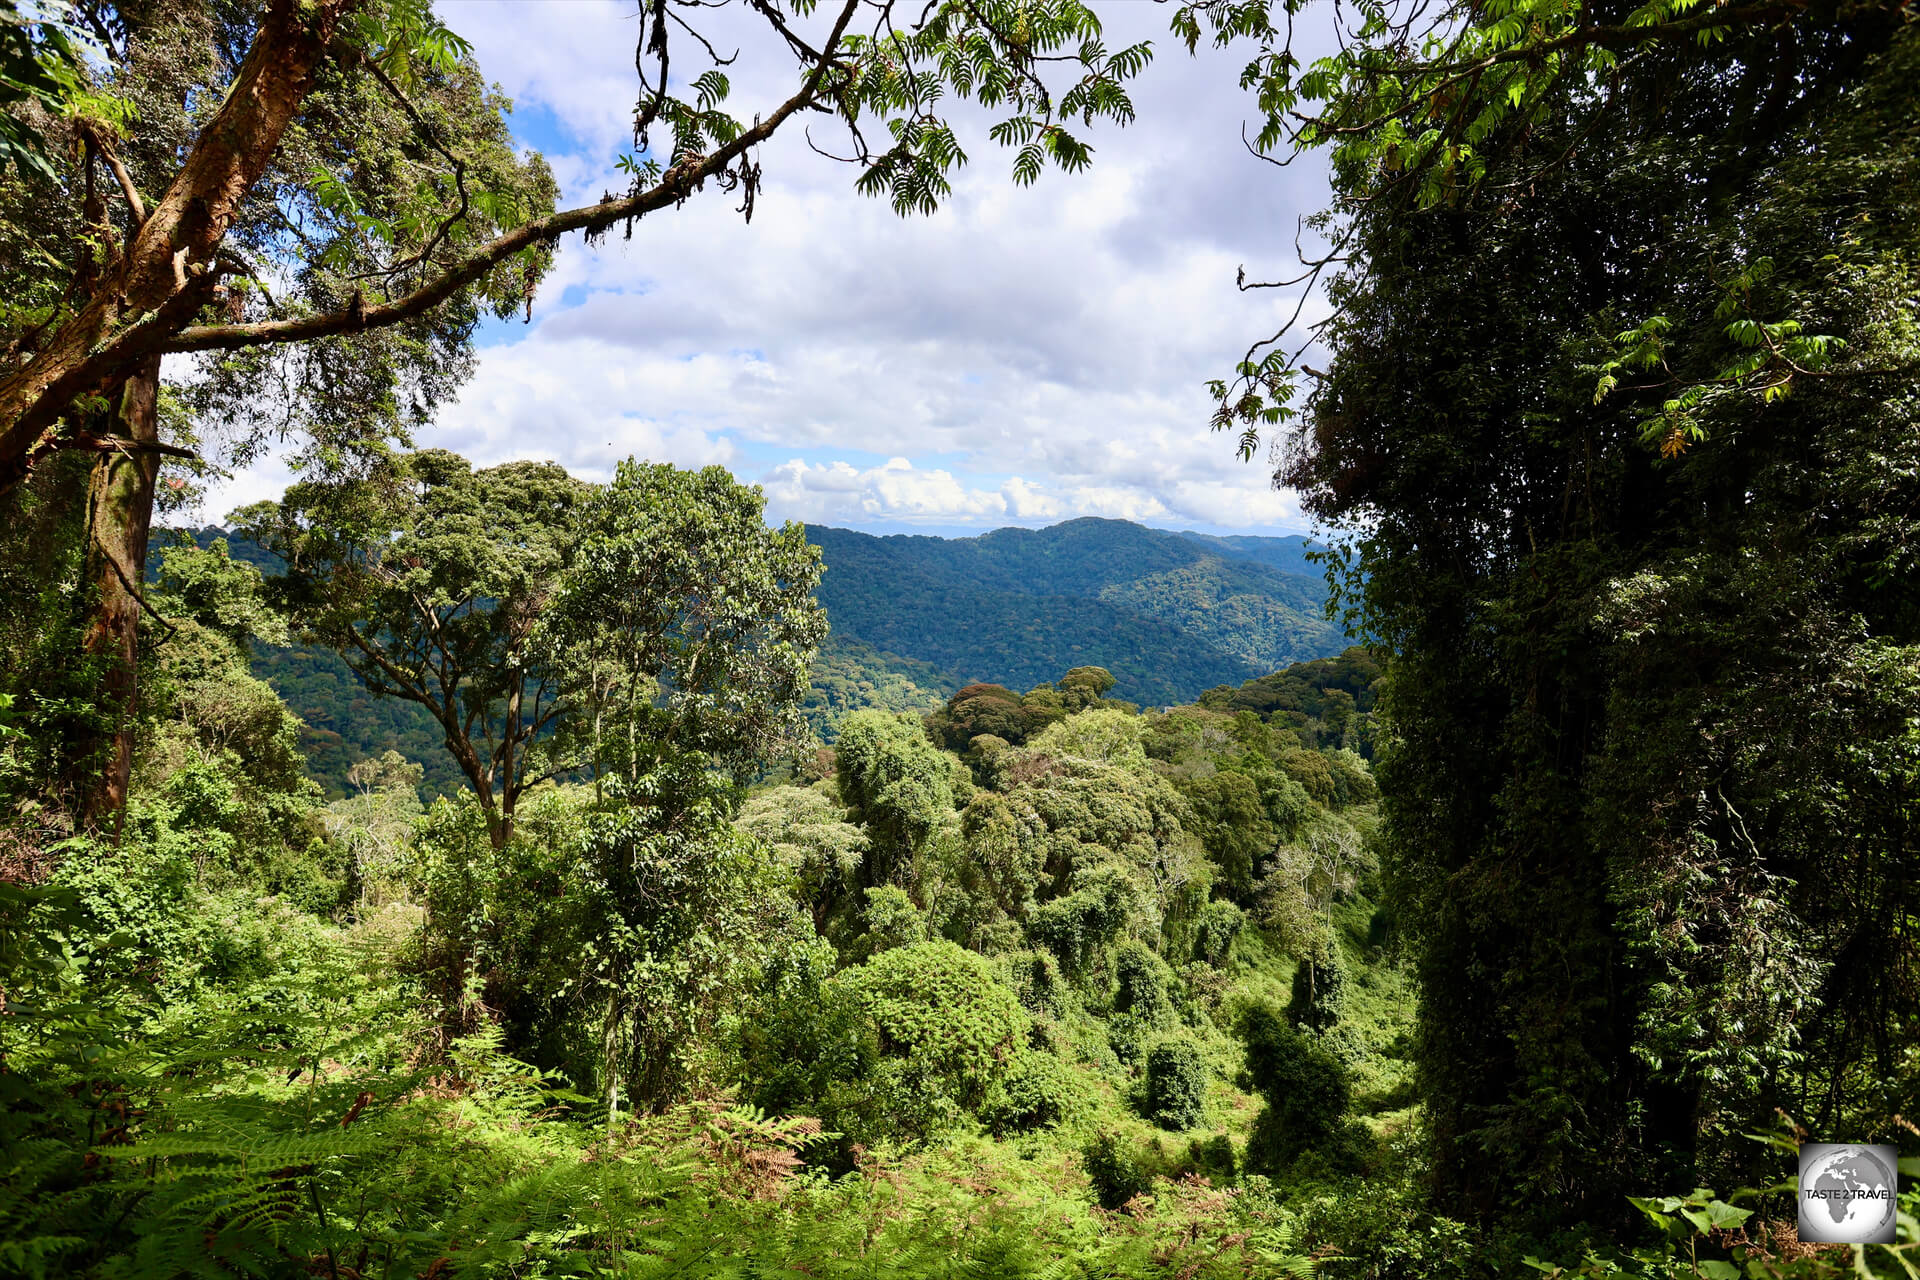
1168 614
1033 610
688 895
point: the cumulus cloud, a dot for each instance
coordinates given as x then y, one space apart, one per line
1025 355
895 492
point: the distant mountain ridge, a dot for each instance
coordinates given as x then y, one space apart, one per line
1169 614
915 618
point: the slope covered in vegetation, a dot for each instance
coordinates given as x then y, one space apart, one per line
1168 614
915 618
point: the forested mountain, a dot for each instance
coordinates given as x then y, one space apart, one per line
1169 614
914 618
1550 928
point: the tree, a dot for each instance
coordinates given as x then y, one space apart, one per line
1307 1089
153 298
429 580
898 786
1647 784
376 822
373 138
347 145
693 623
812 840
680 912
1425 108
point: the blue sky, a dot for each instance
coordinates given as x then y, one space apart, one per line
1023 356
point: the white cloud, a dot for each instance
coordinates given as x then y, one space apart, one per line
1059 334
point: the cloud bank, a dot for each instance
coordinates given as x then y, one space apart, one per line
1023 356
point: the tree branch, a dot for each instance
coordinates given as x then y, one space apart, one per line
673 187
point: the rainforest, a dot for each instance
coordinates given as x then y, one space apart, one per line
436 850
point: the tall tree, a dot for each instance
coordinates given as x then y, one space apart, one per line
1618 424
430 581
155 296
375 141
407 240
686 626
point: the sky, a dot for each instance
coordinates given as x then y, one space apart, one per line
1021 357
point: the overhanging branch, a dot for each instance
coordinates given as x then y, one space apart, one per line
672 188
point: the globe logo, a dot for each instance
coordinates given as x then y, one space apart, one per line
1847 1193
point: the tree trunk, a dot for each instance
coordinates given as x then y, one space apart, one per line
166 276
120 516
497 812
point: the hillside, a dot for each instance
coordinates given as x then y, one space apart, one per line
915 618
1169 614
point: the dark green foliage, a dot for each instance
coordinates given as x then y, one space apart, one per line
54 690
1114 1171
1232 822
1648 801
1214 1158
1305 1085
978 709
1306 687
1176 1085
1140 984
342 723
683 626
1036 979
850 675
428 579
1166 614
892 921
1319 990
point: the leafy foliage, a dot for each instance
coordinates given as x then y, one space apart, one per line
1167 614
1643 799
1176 1094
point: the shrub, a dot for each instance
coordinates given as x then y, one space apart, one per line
1141 985
1176 1085
1306 1088
1319 991
1035 978
1114 1172
1214 1158
1076 928
892 921
1039 1091
1127 1036
1215 931
941 1009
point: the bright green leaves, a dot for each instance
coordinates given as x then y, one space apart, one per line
1038 143
39 63
1767 357
701 619
1414 111
994 54
1407 99
407 40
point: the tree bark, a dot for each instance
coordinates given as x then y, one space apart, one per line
119 519
149 302
166 276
